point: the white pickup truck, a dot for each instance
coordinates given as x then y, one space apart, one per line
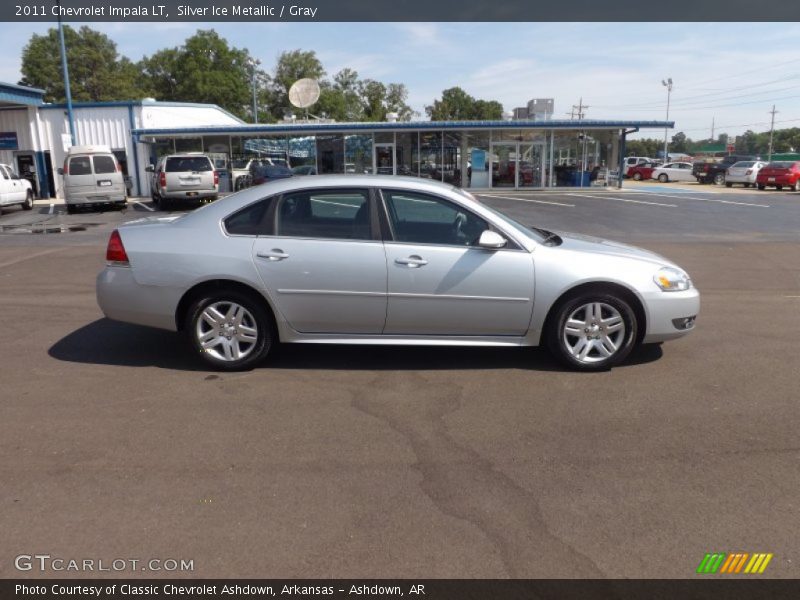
14 189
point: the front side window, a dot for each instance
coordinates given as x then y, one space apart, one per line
4 172
104 164
80 165
328 214
423 219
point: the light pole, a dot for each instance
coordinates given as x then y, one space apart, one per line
667 84
65 73
254 62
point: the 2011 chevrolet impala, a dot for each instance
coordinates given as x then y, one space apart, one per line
386 260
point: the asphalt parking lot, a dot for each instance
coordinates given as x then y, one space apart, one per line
406 462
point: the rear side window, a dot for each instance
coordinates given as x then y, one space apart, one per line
251 220
80 165
104 164
329 214
181 164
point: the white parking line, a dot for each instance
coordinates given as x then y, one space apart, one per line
527 200
52 208
145 206
623 200
685 197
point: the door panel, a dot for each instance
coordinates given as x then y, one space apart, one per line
448 290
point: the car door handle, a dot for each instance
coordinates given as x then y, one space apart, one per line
274 254
412 261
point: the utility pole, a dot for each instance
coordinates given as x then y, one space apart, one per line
579 107
667 84
771 131
712 129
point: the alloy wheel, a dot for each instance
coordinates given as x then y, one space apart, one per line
227 331
593 332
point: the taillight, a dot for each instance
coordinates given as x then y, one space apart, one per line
706 168
115 252
216 177
162 179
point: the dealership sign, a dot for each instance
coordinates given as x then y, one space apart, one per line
8 140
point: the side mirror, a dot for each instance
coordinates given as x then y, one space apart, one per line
149 168
491 240
60 171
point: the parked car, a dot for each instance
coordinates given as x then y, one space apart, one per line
744 172
642 171
262 173
14 189
189 176
92 177
675 171
304 170
380 260
778 174
709 171
240 173
633 161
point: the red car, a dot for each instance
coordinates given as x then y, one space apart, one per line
641 171
779 174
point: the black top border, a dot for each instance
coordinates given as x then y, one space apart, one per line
611 11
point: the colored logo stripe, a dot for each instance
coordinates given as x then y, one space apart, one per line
734 563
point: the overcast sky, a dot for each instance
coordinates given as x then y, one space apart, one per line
732 72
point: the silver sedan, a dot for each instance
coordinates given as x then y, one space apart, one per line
386 260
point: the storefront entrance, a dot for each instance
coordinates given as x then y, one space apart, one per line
384 159
517 165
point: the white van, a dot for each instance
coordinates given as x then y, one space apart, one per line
92 176
14 189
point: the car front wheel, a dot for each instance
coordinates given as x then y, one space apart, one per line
592 332
663 178
719 178
230 330
28 204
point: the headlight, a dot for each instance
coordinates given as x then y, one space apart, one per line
672 280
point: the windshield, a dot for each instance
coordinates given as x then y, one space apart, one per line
534 234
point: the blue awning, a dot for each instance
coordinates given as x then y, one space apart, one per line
18 94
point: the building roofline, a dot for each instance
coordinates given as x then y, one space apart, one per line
409 125
23 88
127 103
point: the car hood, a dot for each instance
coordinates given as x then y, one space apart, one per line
577 242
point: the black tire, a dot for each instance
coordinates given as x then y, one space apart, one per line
719 178
637 176
761 186
71 209
663 178
164 204
156 199
122 205
28 204
259 319
729 184
779 187
558 339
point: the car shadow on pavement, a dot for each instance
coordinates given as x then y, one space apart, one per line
106 342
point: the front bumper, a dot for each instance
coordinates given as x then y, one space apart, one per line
668 312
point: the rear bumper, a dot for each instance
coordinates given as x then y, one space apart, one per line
89 199
121 298
668 312
787 181
188 194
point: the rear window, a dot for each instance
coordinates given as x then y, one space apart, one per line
188 163
273 171
80 165
104 164
780 165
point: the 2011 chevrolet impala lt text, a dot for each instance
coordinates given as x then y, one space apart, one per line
386 260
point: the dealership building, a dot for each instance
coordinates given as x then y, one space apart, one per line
481 155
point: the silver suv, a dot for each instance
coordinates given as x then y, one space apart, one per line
189 176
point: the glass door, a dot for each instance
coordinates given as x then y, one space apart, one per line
504 165
383 156
531 166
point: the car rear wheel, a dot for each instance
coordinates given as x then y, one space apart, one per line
28 204
719 178
729 184
663 178
761 186
637 176
230 330
778 187
592 331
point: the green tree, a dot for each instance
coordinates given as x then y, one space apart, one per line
96 70
678 143
457 105
204 69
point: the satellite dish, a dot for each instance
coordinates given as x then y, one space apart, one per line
304 93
